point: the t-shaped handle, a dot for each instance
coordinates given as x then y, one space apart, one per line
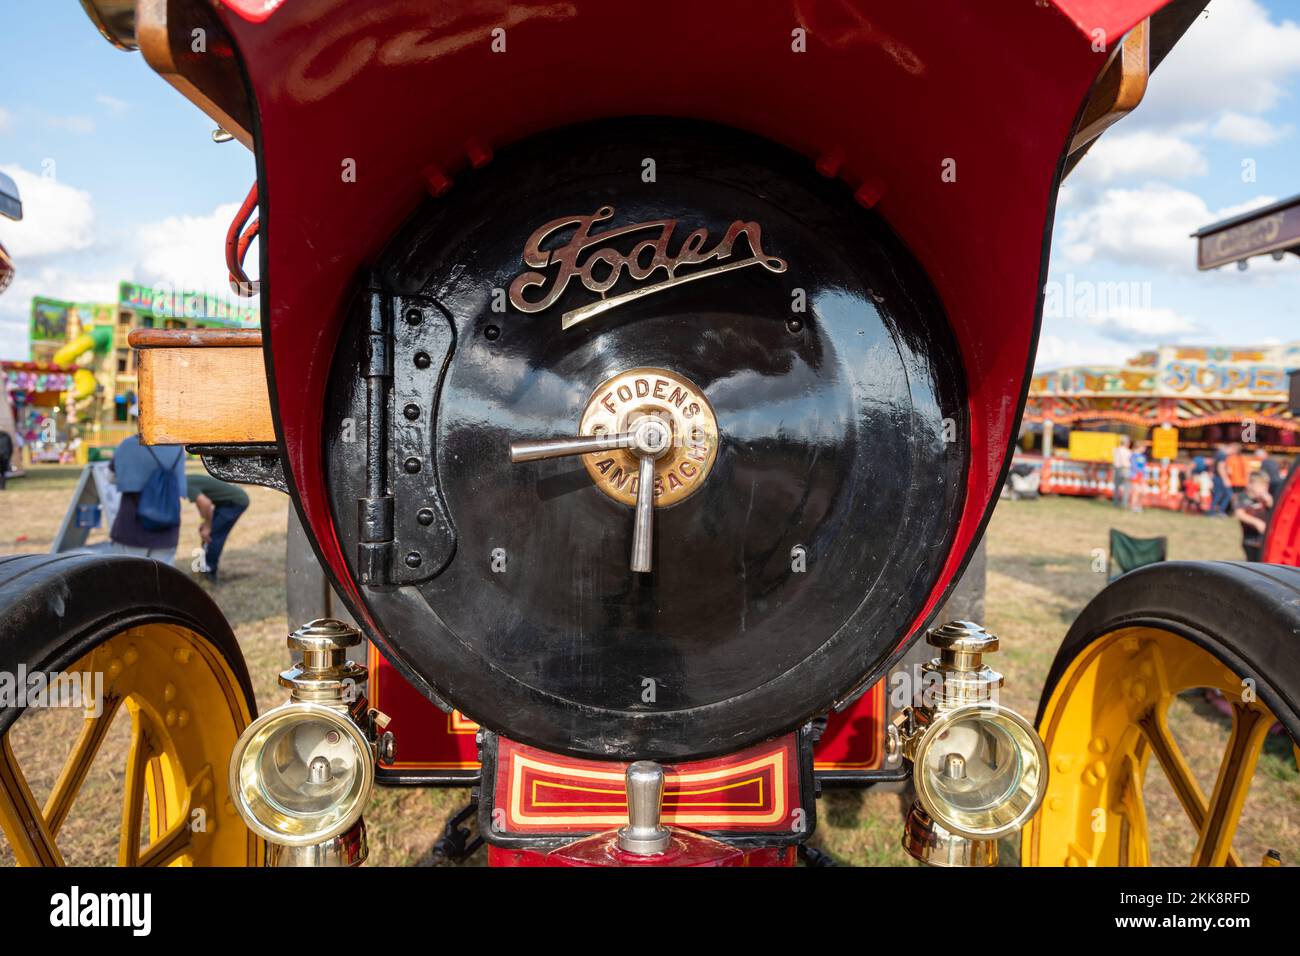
648 439
644 835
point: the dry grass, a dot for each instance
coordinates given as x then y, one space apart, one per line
1040 576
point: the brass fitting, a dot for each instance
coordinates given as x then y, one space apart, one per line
979 769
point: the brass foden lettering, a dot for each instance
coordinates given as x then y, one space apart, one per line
643 388
602 269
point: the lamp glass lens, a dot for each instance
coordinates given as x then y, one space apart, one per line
980 775
974 765
307 767
303 776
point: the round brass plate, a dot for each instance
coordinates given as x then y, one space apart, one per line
671 398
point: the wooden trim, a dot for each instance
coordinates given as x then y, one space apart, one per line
153 33
1120 88
195 338
206 394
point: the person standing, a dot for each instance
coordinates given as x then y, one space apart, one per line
1138 477
6 453
1120 462
138 467
1221 496
220 506
1269 466
1238 471
1254 506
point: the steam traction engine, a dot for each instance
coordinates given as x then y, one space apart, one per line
644 385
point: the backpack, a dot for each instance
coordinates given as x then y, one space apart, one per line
160 499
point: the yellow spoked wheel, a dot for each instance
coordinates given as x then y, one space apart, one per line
186 709
1156 634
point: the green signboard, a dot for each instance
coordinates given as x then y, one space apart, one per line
200 307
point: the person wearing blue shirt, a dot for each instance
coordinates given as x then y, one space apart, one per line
133 463
1138 473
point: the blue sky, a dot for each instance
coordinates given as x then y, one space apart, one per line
139 191
122 181
1225 101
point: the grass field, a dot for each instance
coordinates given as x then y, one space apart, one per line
1041 573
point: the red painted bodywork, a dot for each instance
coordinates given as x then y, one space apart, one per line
440 745
885 93
1282 542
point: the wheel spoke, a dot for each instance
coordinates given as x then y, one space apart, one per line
1179 774
137 763
21 818
168 847
73 774
1249 727
1134 836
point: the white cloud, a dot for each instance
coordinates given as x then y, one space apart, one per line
1140 154
1247 130
6 121
111 103
1234 58
57 255
81 125
1056 351
1144 325
56 218
1066 196
71 285
1149 226
187 251
13 340
1227 212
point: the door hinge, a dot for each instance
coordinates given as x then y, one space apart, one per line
404 534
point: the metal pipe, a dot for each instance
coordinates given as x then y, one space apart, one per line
562 447
643 521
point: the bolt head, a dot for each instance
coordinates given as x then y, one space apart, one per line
651 437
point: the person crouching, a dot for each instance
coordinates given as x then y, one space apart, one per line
220 505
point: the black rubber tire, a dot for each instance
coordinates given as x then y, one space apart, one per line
55 608
1247 615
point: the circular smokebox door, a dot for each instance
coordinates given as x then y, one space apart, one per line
791 348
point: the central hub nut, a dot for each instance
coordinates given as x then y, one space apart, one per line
681 433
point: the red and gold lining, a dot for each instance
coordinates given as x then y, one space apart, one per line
755 790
